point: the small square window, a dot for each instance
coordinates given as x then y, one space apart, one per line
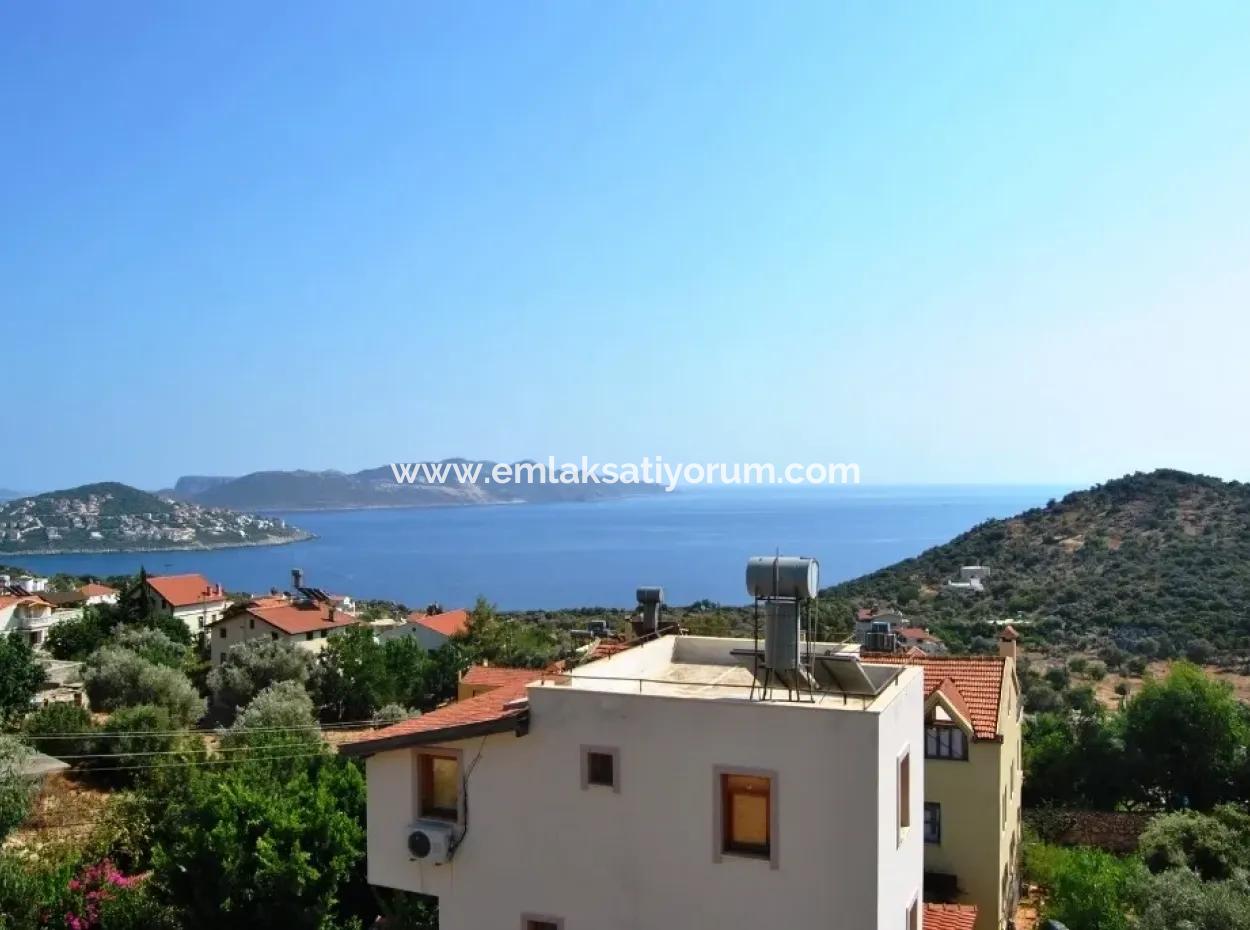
308 635
601 767
542 923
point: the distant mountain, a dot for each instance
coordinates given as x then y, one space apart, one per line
111 516
377 487
1147 560
8 494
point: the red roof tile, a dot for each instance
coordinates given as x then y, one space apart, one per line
186 590
92 589
979 680
494 676
915 634
496 705
949 916
295 617
1009 633
450 623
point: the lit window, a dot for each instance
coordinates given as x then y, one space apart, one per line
746 815
933 823
945 741
438 786
600 767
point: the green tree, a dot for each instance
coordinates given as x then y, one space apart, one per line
351 679
16 788
134 741
243 849
71 725
1092 890
1180 900
115 678
151 644
80 636
20 676
254 665
1212 846
1185 737
280 717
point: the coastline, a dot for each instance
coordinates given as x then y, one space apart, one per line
254 544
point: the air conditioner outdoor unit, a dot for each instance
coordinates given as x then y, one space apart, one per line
432 841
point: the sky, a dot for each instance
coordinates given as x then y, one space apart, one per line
952 243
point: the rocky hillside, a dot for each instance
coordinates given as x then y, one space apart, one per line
1153 561
112 516
377 487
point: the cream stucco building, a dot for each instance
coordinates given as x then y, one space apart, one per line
304 622
656 789
973 756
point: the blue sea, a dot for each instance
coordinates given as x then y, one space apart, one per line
526 556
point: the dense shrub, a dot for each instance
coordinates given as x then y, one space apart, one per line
16 789
280 716
151 644
133 740
1088 889
60 718
117 678
1213 847
20 676
252 666
1179 900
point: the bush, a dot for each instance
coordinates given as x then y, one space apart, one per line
16 789
151 644
1089 889
130 741
252 666
1206 845
78 638
281 715
117 678
59 718
1179 900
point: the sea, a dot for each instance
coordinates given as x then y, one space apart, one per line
694 543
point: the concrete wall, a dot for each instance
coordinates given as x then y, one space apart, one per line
643 858
199 616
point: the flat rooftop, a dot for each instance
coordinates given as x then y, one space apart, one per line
721 669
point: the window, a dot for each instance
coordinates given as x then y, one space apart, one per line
746 815
308 635
323 634
221 632
274 637
904 794
913 915
933 823
945 741
601 766
438 785
541 923
251 623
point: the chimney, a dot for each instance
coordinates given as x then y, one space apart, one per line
1007 641
297 578
332 613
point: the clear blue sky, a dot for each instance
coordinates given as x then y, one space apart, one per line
951 242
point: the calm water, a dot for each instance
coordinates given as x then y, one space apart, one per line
694 543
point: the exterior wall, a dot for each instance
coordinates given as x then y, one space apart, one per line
199 616
30 621
242 627
642 858
977 840
428 639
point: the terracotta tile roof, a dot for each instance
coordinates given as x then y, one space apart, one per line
979 680
915 634
1009 633
186 590
494 676
949 916
497 706
92 589
296 617
949 691
449 624
11 600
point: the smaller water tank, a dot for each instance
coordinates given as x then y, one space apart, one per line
783 576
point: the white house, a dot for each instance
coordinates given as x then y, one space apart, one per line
430 630
30 617
192 598
659 788
304 622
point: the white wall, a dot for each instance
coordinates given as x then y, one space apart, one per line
428 639
643 858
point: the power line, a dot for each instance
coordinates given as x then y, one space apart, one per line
90 734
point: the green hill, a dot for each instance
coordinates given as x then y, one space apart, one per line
1153 561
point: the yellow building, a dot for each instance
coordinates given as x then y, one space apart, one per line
972 780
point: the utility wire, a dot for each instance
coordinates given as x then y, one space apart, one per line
325 728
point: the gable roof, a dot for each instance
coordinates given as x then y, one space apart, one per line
450 623
949 916
915 634
977 679
93 589
497 711
186 590
296 617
